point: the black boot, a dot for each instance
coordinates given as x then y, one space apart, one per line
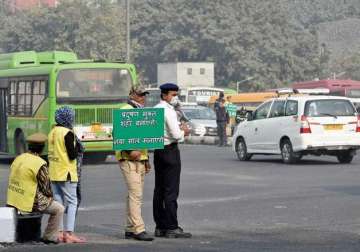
177 233
129 235
143 236
159 232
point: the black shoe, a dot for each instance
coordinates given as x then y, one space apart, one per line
143 236
129 235
48 242
177 233
159 232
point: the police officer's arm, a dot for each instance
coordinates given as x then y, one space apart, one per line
173 126
71 150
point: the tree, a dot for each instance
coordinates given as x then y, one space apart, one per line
243 38
90 28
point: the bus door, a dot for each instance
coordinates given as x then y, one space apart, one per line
3 119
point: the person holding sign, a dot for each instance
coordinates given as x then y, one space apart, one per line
134 164
167 165
29 187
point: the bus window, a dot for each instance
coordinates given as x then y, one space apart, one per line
92 83
26 95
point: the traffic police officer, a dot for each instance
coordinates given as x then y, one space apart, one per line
29 187
134 164
167 165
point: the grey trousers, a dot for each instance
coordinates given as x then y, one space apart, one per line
221 130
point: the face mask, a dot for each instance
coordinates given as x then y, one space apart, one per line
174 101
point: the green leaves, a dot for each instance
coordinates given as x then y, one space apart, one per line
243 38
89 28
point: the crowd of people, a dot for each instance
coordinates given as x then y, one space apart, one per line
53 187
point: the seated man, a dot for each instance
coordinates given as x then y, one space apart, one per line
29 187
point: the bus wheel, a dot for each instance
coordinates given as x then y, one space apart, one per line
94 158
20 144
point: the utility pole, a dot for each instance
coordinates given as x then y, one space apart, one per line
127 30
239 82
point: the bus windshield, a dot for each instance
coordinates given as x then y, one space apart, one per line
93 83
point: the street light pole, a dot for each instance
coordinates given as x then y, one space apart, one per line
239 82
128 30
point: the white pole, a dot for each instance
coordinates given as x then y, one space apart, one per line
128 30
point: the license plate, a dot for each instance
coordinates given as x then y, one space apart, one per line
96 127
333 127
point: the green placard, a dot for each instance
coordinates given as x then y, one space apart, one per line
136 129
231 109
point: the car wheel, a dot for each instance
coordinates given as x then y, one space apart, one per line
345 157
287 153
241 150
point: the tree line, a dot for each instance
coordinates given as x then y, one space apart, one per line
273 41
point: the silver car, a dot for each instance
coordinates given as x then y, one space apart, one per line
202 120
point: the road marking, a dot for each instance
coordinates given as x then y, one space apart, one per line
280 207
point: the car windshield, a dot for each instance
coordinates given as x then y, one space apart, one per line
330 107
93 83
199 113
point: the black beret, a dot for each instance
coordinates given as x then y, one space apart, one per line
169 87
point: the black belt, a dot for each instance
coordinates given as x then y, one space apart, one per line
171 146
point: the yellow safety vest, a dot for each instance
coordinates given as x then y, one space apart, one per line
22 181
59 163
123 155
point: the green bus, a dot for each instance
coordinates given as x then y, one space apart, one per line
34 84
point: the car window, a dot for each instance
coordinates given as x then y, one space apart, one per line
329 107
291 108
200 113
357 106
262 111
277 109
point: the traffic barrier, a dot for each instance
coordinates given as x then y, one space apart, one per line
7 224
206 140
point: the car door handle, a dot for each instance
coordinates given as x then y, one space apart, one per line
256 129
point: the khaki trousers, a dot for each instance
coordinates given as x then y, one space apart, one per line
134 174
56 211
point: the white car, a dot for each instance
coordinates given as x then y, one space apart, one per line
300 125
